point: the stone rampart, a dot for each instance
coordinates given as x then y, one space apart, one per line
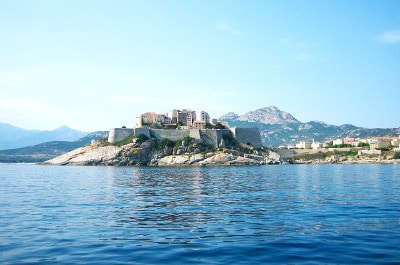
214 137
173 135
195 133
118 134
210 137
145 131
250 136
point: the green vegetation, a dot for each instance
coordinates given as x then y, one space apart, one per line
125 141
396 155
219 126
362 144
163 143
232 144
385 149
319 155
187 139
351 153
229 140
170 127
330 145
216 126
324 155
103 142
141 138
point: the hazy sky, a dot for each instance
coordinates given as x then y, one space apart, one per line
93 65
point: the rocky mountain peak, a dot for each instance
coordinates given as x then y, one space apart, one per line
268 115
229 116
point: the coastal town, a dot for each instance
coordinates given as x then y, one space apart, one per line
374 143
346 150
369 146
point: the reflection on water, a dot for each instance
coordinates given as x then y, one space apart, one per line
268 214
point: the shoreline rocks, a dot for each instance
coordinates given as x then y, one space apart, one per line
146 154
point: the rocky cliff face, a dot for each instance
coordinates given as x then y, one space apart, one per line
149 153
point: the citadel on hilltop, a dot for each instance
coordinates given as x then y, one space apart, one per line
177 124
185 119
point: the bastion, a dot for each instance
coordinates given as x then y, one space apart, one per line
213 137
118 134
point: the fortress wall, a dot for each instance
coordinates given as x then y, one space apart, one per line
248 136
213 137
209 137
145 131
195 133
221 133
118 134
173 135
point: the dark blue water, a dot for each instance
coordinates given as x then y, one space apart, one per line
310 214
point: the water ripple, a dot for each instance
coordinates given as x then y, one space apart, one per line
290 214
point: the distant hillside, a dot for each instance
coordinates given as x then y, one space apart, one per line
45 151
13 137
281 128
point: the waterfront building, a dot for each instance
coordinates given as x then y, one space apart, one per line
303 145
316 145
380 142
337 142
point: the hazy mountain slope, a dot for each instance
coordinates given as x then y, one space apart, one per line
13 137
10 132
48 150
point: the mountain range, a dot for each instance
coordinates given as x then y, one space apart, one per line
21 145
12 137
48 150
280 128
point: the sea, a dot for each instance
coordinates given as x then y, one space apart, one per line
288 214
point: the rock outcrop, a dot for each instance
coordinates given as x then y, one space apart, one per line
149 153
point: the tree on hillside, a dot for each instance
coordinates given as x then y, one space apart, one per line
219 126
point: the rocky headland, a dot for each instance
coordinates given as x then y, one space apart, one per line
189 152
152 152
144 151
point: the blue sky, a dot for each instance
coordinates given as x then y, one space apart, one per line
93 65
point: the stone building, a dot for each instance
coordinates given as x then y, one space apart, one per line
380 142
303 145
